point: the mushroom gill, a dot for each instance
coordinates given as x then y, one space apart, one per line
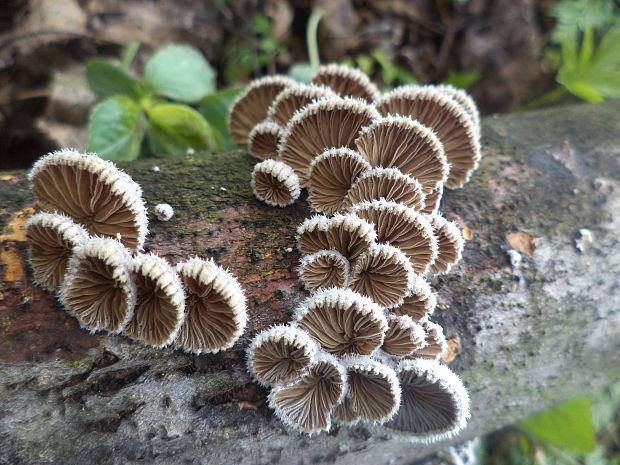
435 342
464 100
450 243
264 139
215 307
93 192
403 336
419 302
324 269
312 235
294 98
433 199
275 183
346 82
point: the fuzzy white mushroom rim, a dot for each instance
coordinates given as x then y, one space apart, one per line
275 183
346 81
324 269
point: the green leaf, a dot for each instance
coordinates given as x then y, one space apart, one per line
129 53
116 129
215 107
462 79
106 80
178 127
569 425
302 72
584 90
179 72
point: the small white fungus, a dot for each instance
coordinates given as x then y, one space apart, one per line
163 211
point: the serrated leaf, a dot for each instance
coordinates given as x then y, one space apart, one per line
116 129
178 127
181 73
107 80
215 107
568 425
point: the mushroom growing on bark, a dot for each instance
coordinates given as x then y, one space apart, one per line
293 98
435 342
403 336
419 302
275 183
450 242
346 82
324 269
264 139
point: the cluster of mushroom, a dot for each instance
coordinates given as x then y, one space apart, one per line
362 346
86 246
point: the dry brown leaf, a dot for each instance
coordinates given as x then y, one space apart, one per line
453 349
522 241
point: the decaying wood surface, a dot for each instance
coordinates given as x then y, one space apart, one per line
529 335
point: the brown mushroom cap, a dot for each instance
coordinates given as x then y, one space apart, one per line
280 354
386 183
346 234
464 100
433 199
51 240
403 336
324 269
446 118
321 125
251 106
401 227
330 176
347 82
275 183
435 342
215 307
93 192
400 142
342 322
382 273
450 243
160 302
419 302
98 288
294 98
434 404
306 404
373 392
264 139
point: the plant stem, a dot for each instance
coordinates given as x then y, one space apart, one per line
311 37
550 97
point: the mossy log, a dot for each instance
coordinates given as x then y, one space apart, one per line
529 336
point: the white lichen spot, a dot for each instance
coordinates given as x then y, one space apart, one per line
289 249
155 169
223 189
515 258
163 211
585 240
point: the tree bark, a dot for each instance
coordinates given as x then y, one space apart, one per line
530 335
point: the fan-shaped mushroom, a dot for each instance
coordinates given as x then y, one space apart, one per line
215 307
312 235
52 237
98 288
346 81
330 176
402 227
264 139
342 321
294 98
403 336
419 302
251 106
441 113
435 342
93 192
382 273
160 302
324 269
280 354
306 404
386 183
275 183
450 243
400 142
434 404
321 125
464 100
433 199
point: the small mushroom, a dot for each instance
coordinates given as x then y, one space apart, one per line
98 288
251 106
382 273
402 227
275 183
280 354
264 139
347 82
330 176
434 402
450 243
321 125
293 98
436 343
403 336
386 183
164 211
215 307
400 142
419 302
373 392
306 404
342 321
324 269
464 100
441 113
433 199
160 302
52 237
312 234
93 192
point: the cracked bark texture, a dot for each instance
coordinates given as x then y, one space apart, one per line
530 336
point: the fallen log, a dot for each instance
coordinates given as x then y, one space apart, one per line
527 329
